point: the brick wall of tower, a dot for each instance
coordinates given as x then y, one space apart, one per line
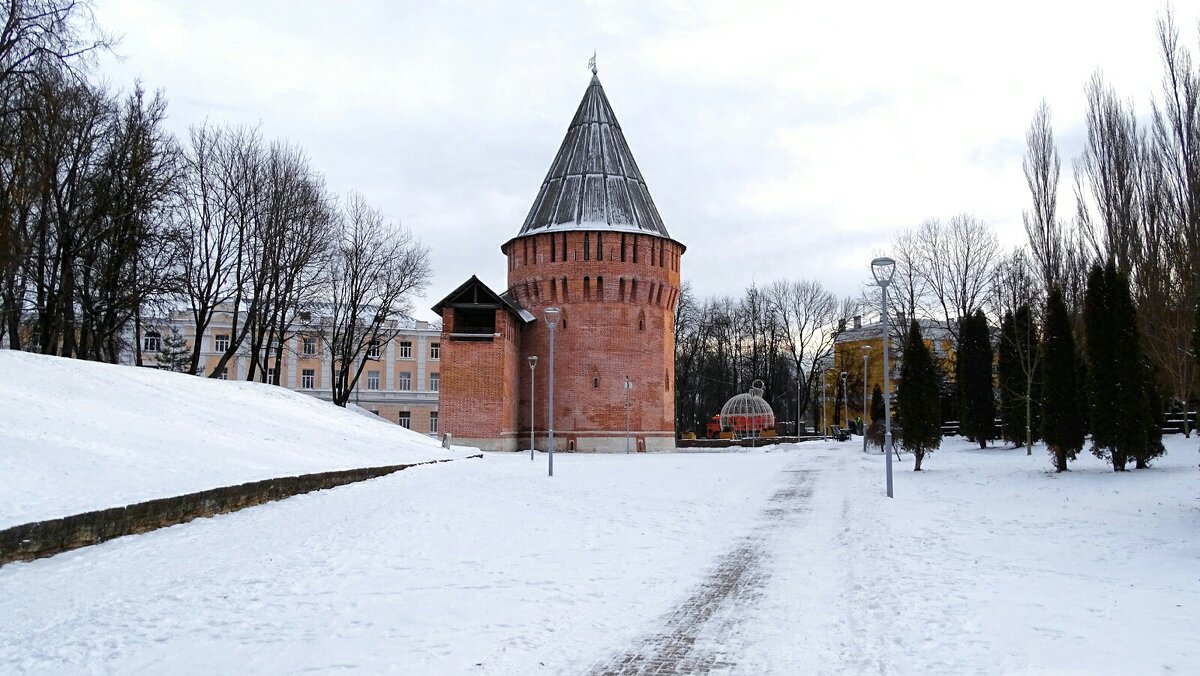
622 326
477 401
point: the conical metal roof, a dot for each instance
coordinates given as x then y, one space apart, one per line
594 182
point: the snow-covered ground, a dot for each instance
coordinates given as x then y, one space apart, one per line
783 561
77 436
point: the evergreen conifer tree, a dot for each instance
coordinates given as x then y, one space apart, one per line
1122 391
174 353
875 431
917 398
977 403
1101 371
1063 409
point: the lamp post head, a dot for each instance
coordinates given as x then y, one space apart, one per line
551 314
532 361
866 349
883 269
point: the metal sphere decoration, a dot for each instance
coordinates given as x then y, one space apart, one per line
747 415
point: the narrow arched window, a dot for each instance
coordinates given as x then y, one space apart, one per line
553 250
635 241
587 247
599 288
599 246
633 291
642 320
587 288
622 247
564 247
553 289
566 293
621 290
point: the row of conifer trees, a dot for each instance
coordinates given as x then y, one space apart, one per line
1104 388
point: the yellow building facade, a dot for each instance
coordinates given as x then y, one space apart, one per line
848 357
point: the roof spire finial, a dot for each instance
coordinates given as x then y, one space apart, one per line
592 62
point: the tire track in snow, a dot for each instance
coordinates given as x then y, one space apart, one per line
697 635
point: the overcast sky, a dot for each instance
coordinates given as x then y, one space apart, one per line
778 139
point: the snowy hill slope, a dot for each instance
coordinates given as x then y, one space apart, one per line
77 436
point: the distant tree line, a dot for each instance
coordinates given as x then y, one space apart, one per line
782 333
107 220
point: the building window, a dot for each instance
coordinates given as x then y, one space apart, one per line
373 350
310 346
222 374
273 376
372 380
435 350
405 381
435 382
587 248
587 288
222 342
152 341
404 418
599 246
405 349
308 379
433 422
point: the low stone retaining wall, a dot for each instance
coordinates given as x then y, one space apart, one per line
46 538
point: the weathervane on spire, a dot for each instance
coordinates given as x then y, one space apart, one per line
592 63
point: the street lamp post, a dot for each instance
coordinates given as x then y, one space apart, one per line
866 350
551 314
799 379
628 405
825 404
824 408
846 398
883 269
532 364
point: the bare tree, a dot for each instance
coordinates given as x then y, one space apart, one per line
37 35
955 263
295 234
375 267
1042 170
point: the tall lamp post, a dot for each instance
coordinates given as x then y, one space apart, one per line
551 314
628 405
532 365
866 350
799 379
846 398
824 408
884 269
825 404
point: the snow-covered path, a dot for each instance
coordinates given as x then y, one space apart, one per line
780 562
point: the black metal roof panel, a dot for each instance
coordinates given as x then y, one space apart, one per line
594 182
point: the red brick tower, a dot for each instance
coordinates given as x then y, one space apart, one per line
594 246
